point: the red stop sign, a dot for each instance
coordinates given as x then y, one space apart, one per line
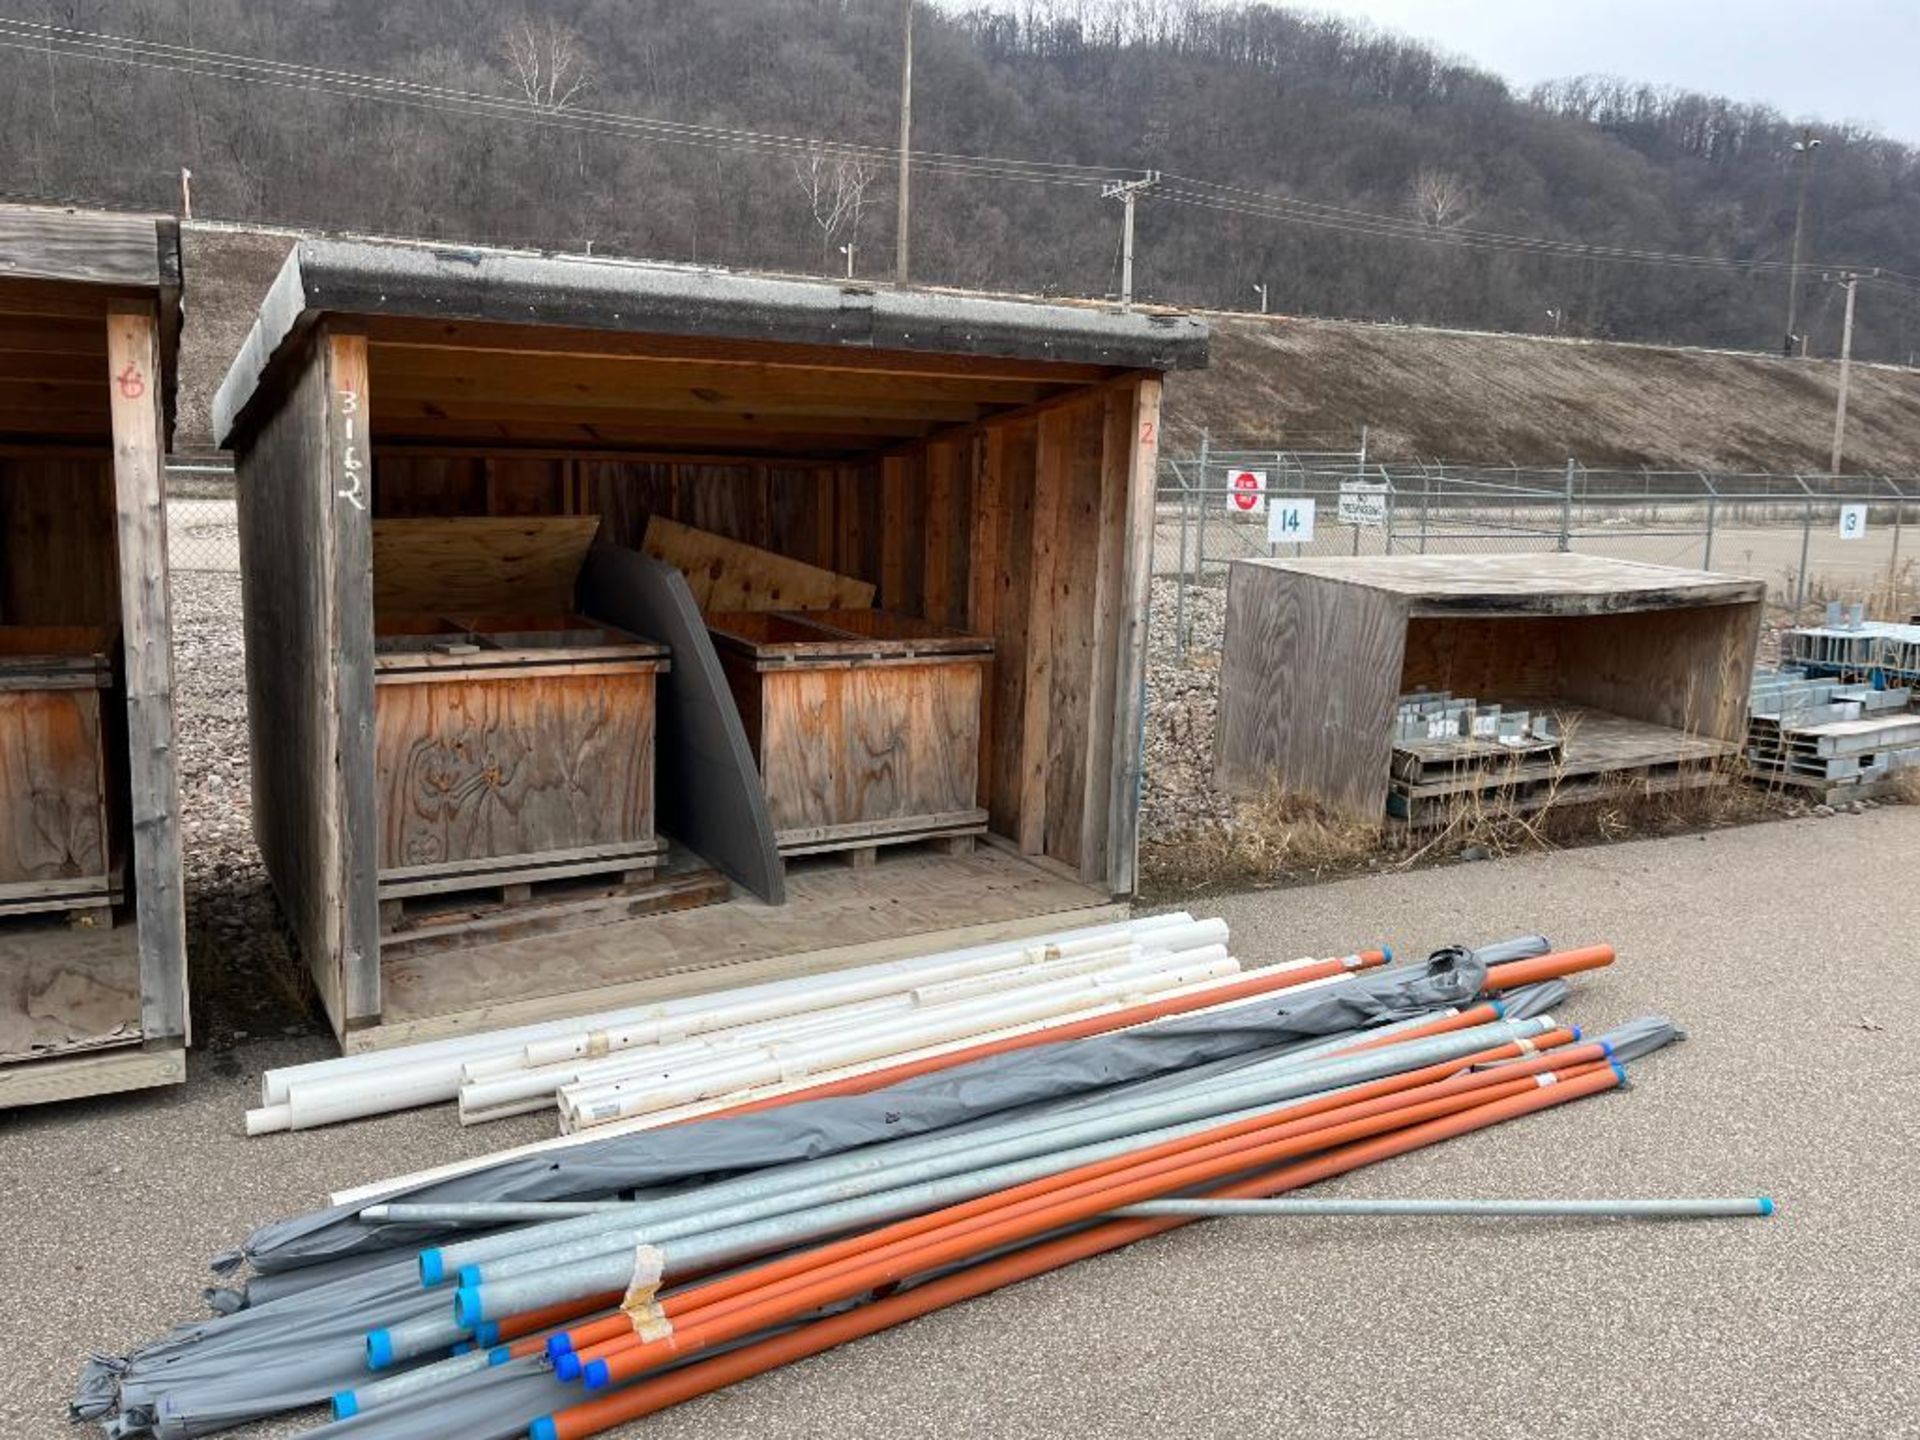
1246 486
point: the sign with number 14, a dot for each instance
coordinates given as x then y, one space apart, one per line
1289 521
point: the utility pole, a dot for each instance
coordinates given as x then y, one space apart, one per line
1124 191
906 138
1804 148
1260 289
1846 366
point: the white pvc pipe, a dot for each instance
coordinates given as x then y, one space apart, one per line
360 1194
431 1072
597 1108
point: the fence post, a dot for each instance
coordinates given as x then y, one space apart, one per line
1806 541
1893 560
1392 498
1200 525
1566 511
1426 504
1713 504
1180 581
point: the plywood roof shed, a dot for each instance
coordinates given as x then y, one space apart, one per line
983 463
92 936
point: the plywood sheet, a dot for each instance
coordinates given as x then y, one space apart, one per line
52 788
476 562
65 988
725 574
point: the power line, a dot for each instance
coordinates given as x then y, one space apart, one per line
39 38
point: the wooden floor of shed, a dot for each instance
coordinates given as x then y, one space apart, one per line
65 989
836 915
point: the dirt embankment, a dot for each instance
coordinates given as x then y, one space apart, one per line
1533 400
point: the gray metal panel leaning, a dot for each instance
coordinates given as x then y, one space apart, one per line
348 277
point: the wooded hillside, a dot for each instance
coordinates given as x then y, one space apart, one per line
1277 104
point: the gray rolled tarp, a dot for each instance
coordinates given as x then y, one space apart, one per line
807 1130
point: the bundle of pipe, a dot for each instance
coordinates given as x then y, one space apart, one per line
354 1086
942 1001
1023 1169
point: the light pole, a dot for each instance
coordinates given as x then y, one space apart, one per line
847 250
1852 282
1260 289
1804 148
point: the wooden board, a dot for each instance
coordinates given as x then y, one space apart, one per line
1530 584
1309 672
54 823
110 1072
82 246
1595 743
908 903
479 767
58 563
727 575
65 988
479 562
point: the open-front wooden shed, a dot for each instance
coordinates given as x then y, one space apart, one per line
966 466
93 977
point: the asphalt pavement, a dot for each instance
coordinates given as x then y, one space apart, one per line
1789 951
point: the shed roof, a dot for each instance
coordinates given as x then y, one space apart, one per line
1550 583
402 280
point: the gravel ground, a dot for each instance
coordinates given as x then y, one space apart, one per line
1183 695
1787 950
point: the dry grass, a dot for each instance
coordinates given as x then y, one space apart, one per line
1281 840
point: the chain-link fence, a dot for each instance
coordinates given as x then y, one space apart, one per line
1811 538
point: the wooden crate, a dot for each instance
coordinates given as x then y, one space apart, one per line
511 751
59 850
1655 661
866 725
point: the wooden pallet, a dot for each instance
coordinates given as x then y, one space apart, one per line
860 842
1420 761
462 919
1426 813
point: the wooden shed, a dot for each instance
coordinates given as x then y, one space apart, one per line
1643 670
978 466
93 975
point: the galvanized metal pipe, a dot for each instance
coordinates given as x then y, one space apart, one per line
1605 1209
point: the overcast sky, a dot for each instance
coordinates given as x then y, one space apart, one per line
1827 59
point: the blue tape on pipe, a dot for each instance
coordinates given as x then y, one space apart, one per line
1574 1030
558 1345
469 1277
461 1347
1766 1205
566 1367
1620 1071
596 1375
1387 950
500 1355
1606 1048
433 1268
466 1308
1499 1009
487 1333
543 1429
345 1407
379 1350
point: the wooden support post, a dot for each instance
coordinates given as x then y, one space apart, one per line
937 584
1116 460
988 482
349 466
1049 481
893 532
1136 582
134 380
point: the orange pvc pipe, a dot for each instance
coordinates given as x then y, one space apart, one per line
706 1302
619 1328
1443 1025
1516 973
1257 983
1052 1213
547 1317
660 1392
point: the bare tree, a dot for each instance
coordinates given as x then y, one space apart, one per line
547 60
1442 199
835 187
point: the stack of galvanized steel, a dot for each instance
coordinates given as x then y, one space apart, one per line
1837 719
1440 736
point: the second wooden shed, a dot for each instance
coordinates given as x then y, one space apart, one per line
985 465
93 971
